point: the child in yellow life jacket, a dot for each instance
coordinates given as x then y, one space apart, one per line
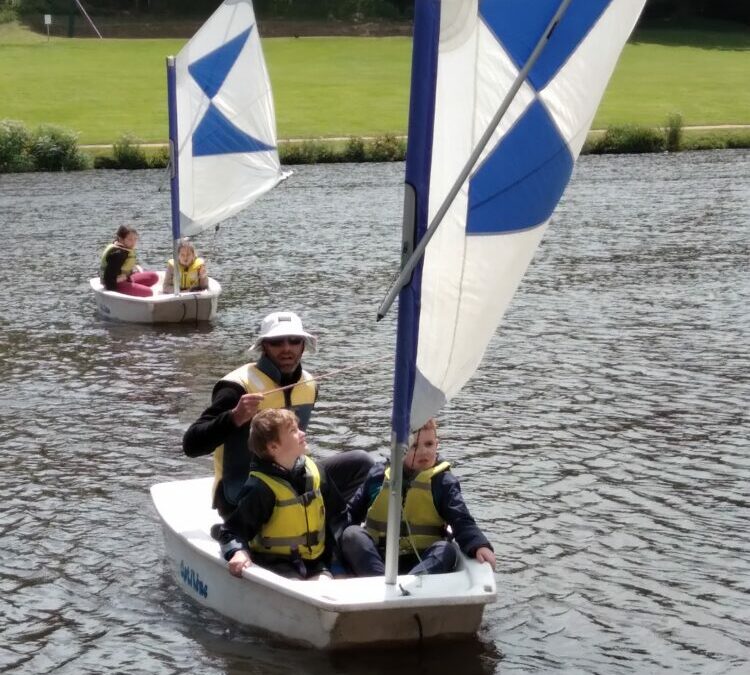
119 270
279 522
191 268
432 500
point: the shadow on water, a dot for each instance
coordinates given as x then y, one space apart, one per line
244 652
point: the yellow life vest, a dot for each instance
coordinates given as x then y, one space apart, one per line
127 266
232 468
421 524
189 276
297 524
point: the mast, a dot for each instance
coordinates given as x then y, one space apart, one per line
416 202
174 175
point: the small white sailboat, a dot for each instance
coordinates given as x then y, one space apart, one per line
502 96
222 133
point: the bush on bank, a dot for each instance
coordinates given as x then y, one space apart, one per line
46 148
51 148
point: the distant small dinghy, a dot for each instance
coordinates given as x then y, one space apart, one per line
159 308
223 154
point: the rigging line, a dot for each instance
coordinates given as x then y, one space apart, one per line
419 249
327 375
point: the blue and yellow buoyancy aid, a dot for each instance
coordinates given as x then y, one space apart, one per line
421 524
189 276
233 470
127 266
297 524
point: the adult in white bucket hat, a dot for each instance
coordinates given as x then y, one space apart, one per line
222 428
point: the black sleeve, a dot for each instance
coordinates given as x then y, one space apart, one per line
365 495
215 424
112 266
255 507
450 504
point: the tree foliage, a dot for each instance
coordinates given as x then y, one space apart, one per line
732 10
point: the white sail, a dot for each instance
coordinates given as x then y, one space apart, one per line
479 253
226 125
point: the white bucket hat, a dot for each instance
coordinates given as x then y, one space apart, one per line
283 324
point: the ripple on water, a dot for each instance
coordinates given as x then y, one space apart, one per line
602 445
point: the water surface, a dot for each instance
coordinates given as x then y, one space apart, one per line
602 445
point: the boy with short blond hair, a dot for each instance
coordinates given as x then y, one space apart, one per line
432 501
280 518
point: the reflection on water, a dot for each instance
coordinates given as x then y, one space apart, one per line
602 445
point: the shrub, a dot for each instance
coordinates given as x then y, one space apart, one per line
128 154
160 159
56 149
14 147
307 152
354 150
628 139
387 148
673 131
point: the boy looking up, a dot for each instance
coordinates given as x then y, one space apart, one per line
279 523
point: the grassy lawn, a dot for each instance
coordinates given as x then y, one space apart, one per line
344 86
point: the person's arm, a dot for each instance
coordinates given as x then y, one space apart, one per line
365 495
452 508
168 285
202 278
255 507
215 423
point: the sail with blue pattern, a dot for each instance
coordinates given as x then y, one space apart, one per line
467 56
225 121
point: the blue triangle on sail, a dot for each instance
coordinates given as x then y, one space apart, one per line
519 24
216 135
210 71
519 184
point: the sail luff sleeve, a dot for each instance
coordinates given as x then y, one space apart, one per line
419 159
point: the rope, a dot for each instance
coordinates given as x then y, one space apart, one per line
331 374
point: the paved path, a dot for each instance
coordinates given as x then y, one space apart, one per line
708 127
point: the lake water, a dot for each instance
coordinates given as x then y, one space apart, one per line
602 446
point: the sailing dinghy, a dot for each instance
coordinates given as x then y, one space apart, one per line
503 93
223 155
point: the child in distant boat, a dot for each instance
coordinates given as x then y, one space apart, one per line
119 270
279 522
191 268
432 500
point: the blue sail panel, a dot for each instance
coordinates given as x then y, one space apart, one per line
520 183
210 71
216 135
518 25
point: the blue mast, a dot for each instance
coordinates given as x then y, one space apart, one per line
174 182
416 201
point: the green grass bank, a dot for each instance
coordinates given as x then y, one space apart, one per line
355 86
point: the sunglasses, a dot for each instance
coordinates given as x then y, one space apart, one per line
277 342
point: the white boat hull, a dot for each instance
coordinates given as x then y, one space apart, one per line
160 307
326 614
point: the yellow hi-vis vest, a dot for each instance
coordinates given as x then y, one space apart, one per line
189 276
127 266
232 468
421 524
297 524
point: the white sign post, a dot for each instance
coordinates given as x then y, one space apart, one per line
47 23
